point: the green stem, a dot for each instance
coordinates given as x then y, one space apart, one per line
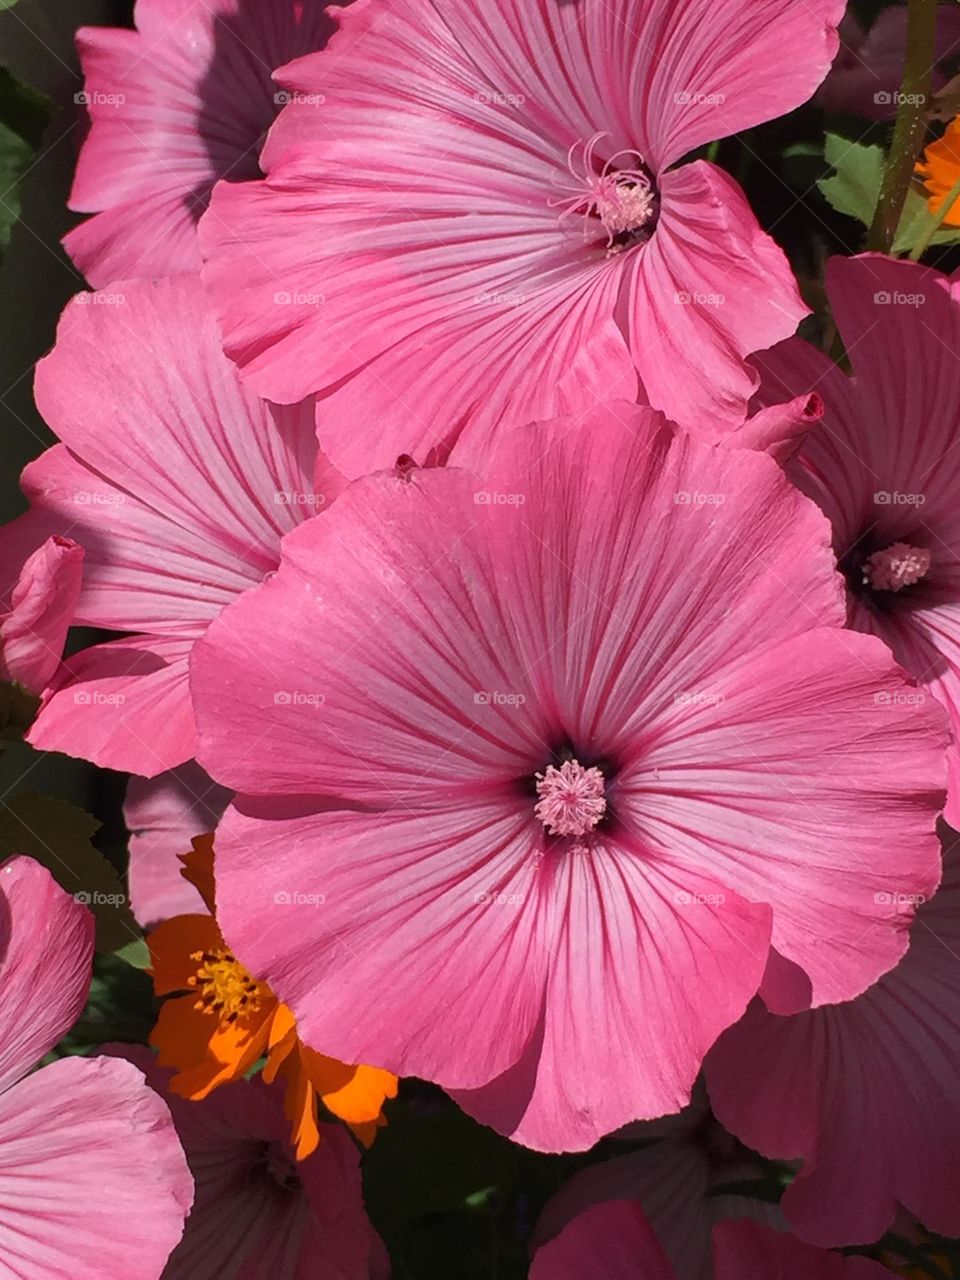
911 125
935 223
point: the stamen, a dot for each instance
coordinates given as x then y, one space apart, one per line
899 566
623 199
224 987
571 799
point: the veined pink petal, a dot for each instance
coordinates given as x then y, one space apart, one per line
464 155
43 604
93 1181
163 814
46 945
182 101
123 705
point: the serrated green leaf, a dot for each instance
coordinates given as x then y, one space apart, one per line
136 954
58 835
24 115
854 187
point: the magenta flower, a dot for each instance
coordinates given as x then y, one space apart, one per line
795 1088
466 652
884 465
259 1212
181 102
676 1174
614 1240
179 484
41 607
95 1185
477 213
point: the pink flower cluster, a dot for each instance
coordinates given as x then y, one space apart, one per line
568 653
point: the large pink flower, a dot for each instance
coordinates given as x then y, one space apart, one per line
94 1183
884 463
182 101
865 1093
613 1241
476 210
568 746
259 1214
179 484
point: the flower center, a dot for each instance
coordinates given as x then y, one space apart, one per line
899 566
571 799
225 988
623 199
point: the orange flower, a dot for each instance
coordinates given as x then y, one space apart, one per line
940 171
219 1021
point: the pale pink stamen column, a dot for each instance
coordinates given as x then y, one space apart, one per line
900 565
571 799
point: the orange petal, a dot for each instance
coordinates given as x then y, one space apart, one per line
940 171
355 1094
205 1052
198 868
300 1107
171 946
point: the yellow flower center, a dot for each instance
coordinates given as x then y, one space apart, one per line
226 989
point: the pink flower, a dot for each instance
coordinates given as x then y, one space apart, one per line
614 1240
864 1093
34 627
884 465
259 1212
95 1185
675 1174
866 76
179 484
182 101
610 597
163 814
485 217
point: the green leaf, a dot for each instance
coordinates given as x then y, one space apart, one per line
854 187
7 4
24 115
58 834
136 954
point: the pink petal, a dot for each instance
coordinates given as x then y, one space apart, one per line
182 101
163 815
708 289
745 1249
611 1241
46 944
93 1182
865 1149
44 601
654 994
434 916
123 705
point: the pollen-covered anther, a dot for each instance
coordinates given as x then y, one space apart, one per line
572 799
225 988
899 566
